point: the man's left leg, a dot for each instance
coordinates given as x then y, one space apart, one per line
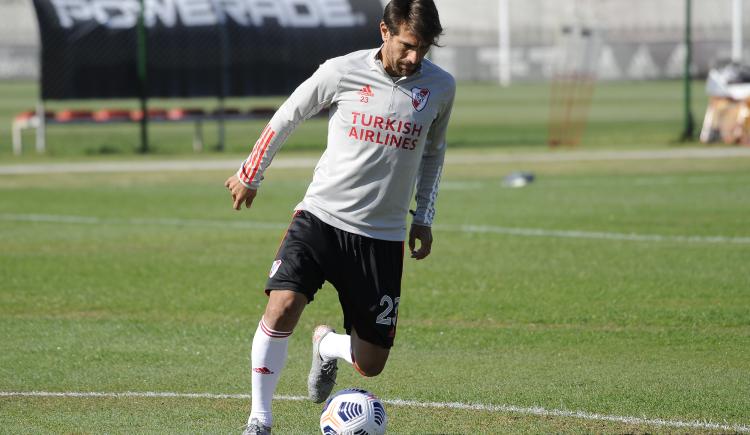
367 358
369 288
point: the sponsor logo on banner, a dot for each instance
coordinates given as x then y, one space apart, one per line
123 14
419 97
274 268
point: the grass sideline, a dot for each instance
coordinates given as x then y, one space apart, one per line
623 115
162 293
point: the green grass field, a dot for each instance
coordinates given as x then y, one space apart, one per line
614 288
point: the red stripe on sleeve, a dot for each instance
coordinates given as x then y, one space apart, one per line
259 157
254 153
259 145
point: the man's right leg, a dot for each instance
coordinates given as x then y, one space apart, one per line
297 275
269 351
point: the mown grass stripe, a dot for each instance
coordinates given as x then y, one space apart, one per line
575 234
510 409
482 229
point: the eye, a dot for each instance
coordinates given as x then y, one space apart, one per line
419 48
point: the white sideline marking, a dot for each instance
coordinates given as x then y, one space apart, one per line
511 409
482 229
169 222
455 158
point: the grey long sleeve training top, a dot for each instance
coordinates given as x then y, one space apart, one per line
384 135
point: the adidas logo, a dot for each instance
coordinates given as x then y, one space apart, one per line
366 91
263 371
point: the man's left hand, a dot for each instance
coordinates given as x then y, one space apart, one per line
424 235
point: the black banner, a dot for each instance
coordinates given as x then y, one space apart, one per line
196 48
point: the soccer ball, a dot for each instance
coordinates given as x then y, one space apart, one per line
353 412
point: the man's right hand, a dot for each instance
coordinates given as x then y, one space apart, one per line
239 192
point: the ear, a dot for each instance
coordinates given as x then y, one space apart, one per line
384 33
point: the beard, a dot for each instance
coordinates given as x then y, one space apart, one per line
406 69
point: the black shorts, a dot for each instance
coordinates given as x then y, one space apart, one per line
366 272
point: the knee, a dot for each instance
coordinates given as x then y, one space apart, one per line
369 359
279 311
369 368
283 311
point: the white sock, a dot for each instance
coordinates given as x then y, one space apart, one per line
268 356
336 346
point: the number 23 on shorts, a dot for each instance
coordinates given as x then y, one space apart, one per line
391 305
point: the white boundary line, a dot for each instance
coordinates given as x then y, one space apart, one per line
482 229
511 409
453 158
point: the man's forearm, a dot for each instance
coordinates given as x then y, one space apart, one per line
427 188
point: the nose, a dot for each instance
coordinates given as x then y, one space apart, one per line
412 57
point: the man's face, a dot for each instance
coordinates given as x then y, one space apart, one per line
402 53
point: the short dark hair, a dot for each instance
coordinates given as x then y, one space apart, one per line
421 16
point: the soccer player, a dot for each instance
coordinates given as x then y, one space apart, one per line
388 114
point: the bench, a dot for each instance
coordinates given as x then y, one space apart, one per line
31 120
